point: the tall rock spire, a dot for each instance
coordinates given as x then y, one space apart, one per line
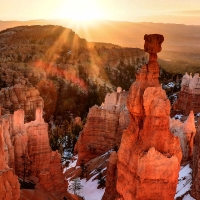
149 155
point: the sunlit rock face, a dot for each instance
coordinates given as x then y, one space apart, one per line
189 95
20 97
9 185
104 127
149 155
31 139
186 132
196 165
10 188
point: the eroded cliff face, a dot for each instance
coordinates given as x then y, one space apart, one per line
149 155
104 127
31 140
195 165
111 177
186 132
9 185
189 95
20 96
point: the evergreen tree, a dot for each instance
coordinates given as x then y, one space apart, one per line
26 163
76 185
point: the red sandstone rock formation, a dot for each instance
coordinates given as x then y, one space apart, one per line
104 127
111 177
31 139
186 132
20 97
149 155
189 95
9 185
196 165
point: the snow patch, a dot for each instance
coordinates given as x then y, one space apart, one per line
198 114
89 190
177 116
184 182
72 163
188 197
170 84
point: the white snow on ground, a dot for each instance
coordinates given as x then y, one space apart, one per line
188 197
72 163
198 114
89 190
170 84
184 182
177 116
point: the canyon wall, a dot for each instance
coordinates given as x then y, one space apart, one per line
189 96
149 155
104 127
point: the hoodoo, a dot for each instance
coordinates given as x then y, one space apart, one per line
104 127
149 155
189 95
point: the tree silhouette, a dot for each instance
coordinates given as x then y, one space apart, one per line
26 163
76 185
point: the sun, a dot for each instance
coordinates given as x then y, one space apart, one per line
79 10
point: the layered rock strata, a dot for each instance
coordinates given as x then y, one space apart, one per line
104 127
189 96
149 155
20 97
31 140
9 185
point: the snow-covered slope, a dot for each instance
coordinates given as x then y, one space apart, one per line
184 183
89 190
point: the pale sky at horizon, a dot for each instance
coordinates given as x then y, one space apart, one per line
167 11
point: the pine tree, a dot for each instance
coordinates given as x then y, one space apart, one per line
76 185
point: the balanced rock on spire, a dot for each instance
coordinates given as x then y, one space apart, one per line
149 155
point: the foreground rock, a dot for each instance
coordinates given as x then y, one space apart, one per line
186 132
195 165
149 156
9 185
104 127
111 177
30 140
189 95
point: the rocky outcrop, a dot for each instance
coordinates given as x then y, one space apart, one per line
189 95
104 127
186 132
111 177
149 155
20 97
196 165
31 141
9 185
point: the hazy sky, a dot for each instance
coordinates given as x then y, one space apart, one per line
171 11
